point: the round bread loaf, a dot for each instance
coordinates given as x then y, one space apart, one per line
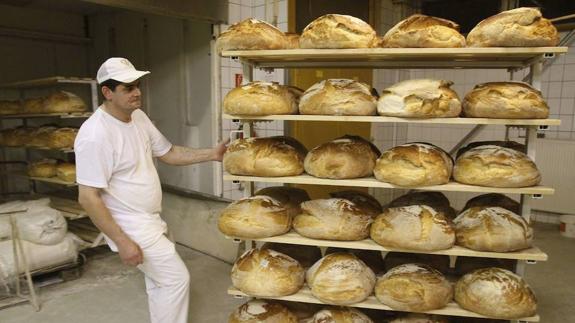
305 255
292 40
413 287
261 311
261 98
414 164
492 229
420 318
333 219
520 27
436 200
505 100
337 31
251 34
494 199
291 197
437 262
40 137
496 166
340 97
255 217
63 102
10 107
344 157
267 273
340 279
424 31
365 201
66 172
339 315
62 138
42 168
500 143
497 293
34 106
303 311
419 98
17 137
270 156
414 227
371 258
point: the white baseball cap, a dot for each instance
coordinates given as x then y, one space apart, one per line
119 69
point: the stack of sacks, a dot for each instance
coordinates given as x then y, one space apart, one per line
44 236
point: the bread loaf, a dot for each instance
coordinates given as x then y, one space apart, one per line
337 31
42 168
10 107
34 106
261 98
496 293
492 229
414 164
292 40
261 311
436 200
340 97
415 227
40 137
424 31
303 311
365 201
437 262
344 157
371 258
66 172
62 138
255 217
520 27
419 98
251 34
339 315
500 143
63 102
495 166
413 287
505 100
271 156
305 255
332 219
494 199
291 197
17 137
267 273
420 318
340 279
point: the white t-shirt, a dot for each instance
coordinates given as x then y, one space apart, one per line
117 157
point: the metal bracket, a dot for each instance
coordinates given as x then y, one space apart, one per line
236 240
548 55
543 127
537 196
235 182
531 262
238 296
267 69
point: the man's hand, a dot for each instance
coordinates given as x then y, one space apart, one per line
220 150
130 253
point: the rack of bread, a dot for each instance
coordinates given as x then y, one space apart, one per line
416 254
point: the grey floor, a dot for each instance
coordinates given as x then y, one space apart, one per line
110 292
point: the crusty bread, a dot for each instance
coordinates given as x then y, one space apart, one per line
365 201
505 100
494 199
261 98
305 255
414 227
34 106
66 172
419 98
413 287
292 40
436 200
256 217
270 156
496 293
267 273
291 197
520 27
333 219
492 229
496 166
420 318
40 137
414 164
339 315
340 279
372 258
424 31
338 97
501 143
344 157
17 137
251 34
337 31
262 311
10 107
62 138
63 102
42 168
437 262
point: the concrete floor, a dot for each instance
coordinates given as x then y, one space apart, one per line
110 292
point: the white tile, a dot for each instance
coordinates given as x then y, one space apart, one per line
569 72
554 106
570 57
260 13
554 90
226 77
566 123
556 73
248 3
234 13
568 90
246 12
567 106
565 135
259 2
283 12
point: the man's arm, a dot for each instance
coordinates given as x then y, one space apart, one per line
89 198
181 156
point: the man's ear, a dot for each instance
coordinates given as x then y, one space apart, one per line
106 92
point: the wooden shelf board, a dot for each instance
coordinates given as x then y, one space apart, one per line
493 57
71 209
379 119
48 115
47 81
64 150
372 182
305 296
52 180
533 253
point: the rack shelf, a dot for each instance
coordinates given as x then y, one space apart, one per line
372 182
379 119
52 180
494 57
47 81
304 295
70 208
532 254
67 115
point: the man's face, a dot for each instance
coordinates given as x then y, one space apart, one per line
126 96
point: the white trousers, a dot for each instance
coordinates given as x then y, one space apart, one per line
167 283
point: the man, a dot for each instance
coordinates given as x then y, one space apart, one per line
120 187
